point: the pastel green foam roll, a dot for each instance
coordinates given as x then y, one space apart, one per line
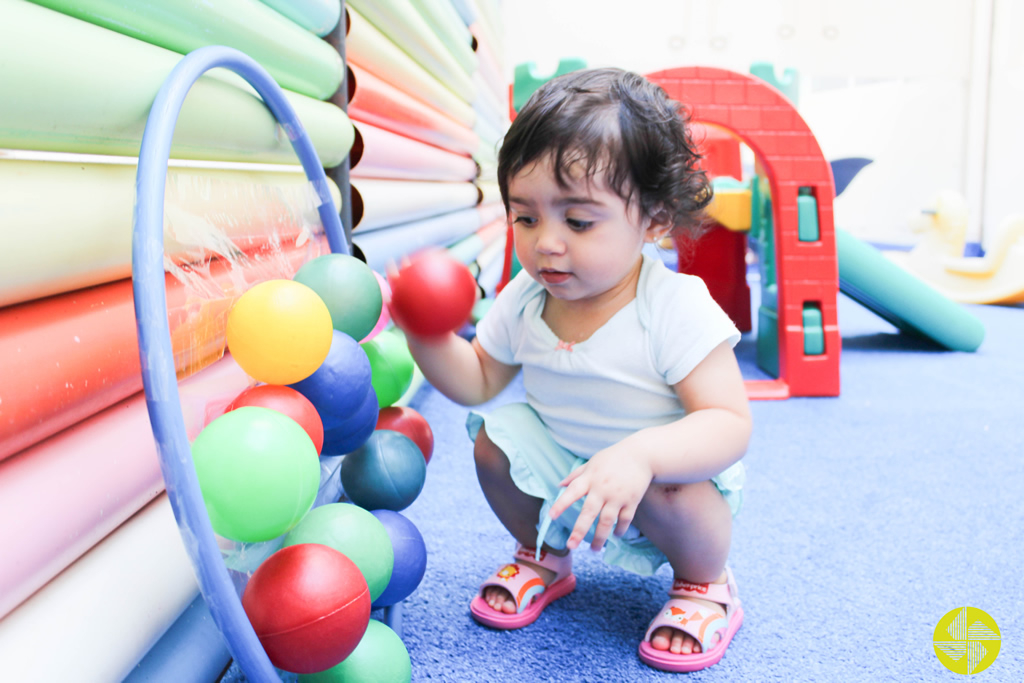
368 47
318 16
449 27
409 30
71 86
296 59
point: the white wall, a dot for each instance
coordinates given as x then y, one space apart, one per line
893 80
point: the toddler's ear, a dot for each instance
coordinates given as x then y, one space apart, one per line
660 225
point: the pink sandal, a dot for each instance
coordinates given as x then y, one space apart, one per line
713 631
527 589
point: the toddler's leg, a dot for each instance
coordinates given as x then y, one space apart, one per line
692 525
517 511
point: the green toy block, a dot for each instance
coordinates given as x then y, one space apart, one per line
768 340
788 85
814 330
807 216
527 80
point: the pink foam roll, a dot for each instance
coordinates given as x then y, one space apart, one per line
379 153
62 496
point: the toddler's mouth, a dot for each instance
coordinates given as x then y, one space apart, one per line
553 277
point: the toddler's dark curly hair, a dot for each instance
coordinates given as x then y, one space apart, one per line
618 123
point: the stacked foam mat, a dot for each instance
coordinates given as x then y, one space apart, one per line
95 584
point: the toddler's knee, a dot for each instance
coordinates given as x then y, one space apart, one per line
681 498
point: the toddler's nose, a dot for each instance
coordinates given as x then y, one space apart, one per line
549 241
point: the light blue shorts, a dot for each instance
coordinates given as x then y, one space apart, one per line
538 465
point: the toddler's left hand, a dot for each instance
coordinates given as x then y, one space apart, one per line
613 483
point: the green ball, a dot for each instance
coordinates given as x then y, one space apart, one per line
353 532
380 657
258 472
350 290
391 366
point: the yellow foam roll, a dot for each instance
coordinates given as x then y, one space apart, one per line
70 222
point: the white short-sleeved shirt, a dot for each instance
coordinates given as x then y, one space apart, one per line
594 393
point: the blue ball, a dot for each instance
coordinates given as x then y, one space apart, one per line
385 473
339 386
410 558
349 434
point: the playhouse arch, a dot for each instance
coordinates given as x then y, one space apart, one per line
807 272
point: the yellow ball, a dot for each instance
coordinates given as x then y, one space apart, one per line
279 332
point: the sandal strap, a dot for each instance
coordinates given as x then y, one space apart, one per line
561 566
697 620
722 593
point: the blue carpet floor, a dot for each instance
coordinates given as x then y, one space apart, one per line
867 518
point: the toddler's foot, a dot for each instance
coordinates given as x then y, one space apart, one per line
517 593
500 599
676 641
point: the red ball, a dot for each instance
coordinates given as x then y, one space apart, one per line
287 401
432 295
409 422
309 606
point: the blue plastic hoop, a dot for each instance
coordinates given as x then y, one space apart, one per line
155 350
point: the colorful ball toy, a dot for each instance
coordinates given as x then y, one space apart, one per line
355 533
380 657
391 366
258 471
350 290
409 422
410 558
385 313
387 472
352 432
287 401
309 606
339 386
432 295
279 331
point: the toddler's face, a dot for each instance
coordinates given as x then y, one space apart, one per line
581 242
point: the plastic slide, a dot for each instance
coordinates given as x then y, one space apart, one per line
881 286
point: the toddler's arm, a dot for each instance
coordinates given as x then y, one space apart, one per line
713 435
459 369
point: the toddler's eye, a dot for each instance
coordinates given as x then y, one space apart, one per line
525 220
577 224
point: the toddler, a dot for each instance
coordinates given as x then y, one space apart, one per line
636 415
